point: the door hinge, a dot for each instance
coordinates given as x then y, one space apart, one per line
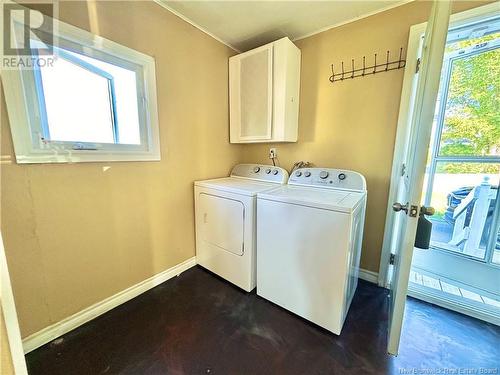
392 258
417 68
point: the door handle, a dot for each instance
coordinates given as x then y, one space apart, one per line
428 211
400 207
409 210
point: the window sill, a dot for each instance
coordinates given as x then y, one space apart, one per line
86 156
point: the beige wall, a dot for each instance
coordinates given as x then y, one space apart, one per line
352 124
75 234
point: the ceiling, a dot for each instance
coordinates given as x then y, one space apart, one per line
244 25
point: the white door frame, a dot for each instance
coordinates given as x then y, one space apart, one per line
10 316
403 128
415 155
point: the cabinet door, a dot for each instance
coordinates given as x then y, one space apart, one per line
252 95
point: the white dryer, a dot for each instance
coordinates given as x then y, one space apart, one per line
225 221
309 236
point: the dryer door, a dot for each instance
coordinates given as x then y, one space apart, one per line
222 223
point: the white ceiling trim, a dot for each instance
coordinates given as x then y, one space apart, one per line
184 18
365 15
326 28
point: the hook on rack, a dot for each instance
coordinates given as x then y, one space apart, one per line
373 69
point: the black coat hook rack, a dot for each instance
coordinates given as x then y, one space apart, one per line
368 70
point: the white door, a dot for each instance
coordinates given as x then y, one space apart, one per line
421 114
8 315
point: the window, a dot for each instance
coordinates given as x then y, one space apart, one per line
463 171
90 100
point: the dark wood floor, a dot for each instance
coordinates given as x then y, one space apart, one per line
198 324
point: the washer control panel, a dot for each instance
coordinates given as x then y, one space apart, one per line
260 172
328 178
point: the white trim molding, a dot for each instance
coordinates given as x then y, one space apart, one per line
370 276
164 4
350 20
459 304
55 330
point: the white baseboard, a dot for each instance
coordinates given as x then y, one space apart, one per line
55 330
369 276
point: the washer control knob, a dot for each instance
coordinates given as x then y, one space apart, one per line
268 170
298 173
275 172
323 174
307 174
342 176
256 169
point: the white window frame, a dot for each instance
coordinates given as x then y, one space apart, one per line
23 107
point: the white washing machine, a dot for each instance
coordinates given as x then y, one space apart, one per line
225 221
309 236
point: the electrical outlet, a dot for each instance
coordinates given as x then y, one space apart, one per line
273 153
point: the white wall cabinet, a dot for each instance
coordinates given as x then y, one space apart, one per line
264 93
